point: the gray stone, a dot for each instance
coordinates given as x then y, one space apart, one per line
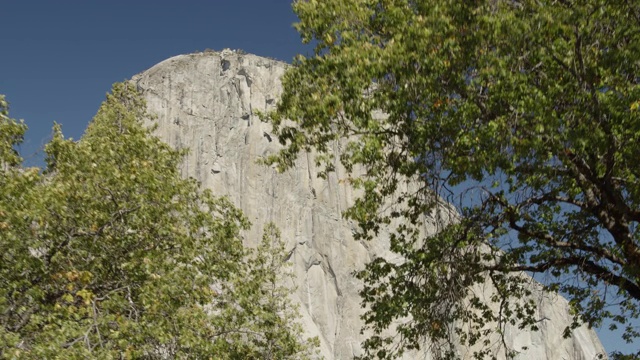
207 102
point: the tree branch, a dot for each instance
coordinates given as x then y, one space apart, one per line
584 264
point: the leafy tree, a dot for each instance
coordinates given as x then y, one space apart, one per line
525 114
108 253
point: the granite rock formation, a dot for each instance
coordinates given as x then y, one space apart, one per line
206 102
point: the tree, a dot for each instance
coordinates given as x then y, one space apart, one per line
525 114
108 253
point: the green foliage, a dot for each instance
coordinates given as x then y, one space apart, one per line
109 253
11 133
531 107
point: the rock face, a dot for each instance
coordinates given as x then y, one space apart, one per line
206 102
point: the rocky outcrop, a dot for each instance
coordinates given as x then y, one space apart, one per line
206 102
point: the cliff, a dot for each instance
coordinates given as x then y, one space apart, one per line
206 102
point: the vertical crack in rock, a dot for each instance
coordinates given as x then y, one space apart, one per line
213 96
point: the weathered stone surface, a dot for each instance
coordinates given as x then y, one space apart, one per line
206 102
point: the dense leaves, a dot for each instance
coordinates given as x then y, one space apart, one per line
524 114
109 253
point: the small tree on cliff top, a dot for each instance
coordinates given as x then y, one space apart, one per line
533 107
111 254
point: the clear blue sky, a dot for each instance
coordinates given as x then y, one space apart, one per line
59 58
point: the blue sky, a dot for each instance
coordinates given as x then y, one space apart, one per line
59 58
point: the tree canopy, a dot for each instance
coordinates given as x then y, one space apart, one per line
108 253
524 114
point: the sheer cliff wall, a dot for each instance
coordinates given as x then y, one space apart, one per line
206 102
